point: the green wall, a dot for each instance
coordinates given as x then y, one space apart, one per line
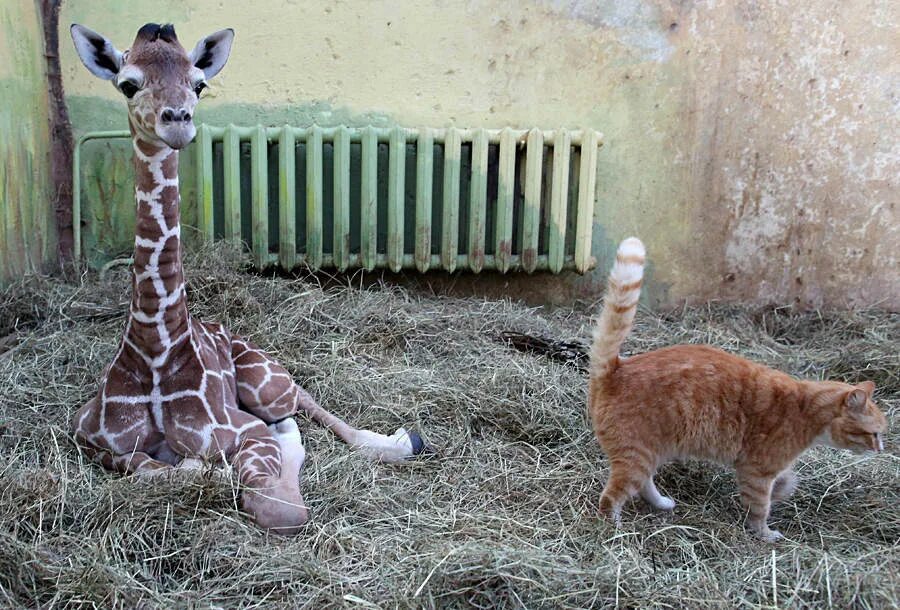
27 229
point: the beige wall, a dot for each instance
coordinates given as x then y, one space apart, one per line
753 145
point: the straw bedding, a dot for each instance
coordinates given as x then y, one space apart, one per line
503 514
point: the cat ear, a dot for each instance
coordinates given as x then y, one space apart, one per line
855 400
868 387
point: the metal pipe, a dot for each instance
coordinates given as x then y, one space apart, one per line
76 180
383 134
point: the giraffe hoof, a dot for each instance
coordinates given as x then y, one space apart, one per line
190 464
418 445
278 508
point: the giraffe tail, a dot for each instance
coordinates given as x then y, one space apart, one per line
619 307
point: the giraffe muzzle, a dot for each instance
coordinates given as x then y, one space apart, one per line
175 127
171 115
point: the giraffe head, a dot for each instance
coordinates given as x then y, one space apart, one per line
159 79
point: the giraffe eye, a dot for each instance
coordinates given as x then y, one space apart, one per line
128 88
199 87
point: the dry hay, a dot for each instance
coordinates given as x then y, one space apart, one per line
503 515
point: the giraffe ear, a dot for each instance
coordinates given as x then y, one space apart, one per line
211 53
97 53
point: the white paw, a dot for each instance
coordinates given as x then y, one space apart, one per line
665 503
768 535
617 518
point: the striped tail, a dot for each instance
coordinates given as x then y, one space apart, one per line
619 307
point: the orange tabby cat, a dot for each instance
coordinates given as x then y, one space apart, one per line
695 401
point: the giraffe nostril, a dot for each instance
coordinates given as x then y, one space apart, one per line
167 115
186 116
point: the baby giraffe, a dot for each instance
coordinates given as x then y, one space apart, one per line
179 390
695 401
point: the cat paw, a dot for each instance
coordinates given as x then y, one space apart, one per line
770 535
654 498
617 519
611 512
664 503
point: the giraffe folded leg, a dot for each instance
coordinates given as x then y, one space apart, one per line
293 454
270 477
138 463
141 464
106 448
266 389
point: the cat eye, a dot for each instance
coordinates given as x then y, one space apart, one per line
128 88
199 87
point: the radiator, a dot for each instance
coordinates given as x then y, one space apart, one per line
399 198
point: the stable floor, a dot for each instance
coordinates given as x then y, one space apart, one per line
503 514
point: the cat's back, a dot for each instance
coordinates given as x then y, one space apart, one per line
685 400
686 362
685 378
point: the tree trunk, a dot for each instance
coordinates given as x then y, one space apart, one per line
61 143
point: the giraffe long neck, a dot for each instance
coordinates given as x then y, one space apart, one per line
159 317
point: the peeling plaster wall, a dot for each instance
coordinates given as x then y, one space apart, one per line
27 235
752 145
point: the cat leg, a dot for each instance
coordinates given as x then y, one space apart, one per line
626 479
756 493
652 496
785 485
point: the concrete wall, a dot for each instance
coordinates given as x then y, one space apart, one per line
27 235
752 144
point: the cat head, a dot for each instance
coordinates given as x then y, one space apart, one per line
859 425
